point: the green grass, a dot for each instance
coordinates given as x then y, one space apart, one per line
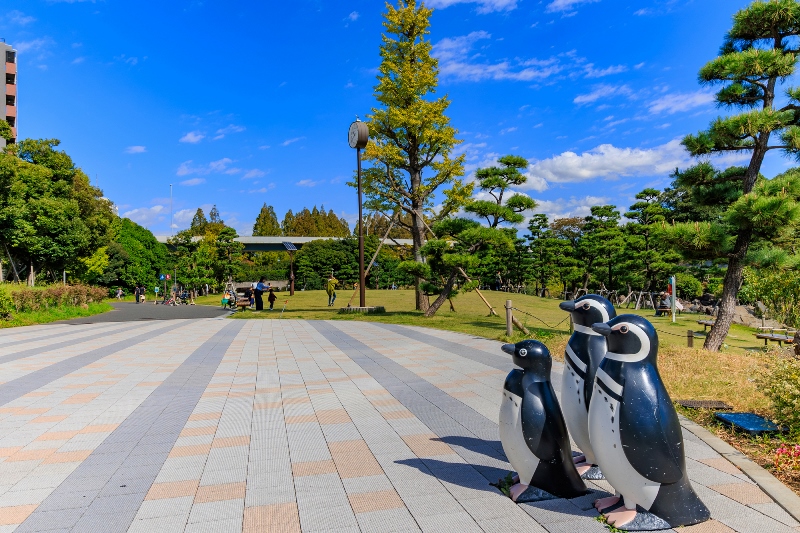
52 315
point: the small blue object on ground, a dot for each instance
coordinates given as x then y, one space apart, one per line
749 422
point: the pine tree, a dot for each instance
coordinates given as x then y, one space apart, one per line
214 217
496 182
759 52
410 134
266 223
199 223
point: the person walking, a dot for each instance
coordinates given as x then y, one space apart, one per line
271 299
136 293
260 287
330 288
119 294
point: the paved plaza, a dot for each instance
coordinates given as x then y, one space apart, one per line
282 425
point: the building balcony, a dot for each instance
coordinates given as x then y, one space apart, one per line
11 90
11 111
11 68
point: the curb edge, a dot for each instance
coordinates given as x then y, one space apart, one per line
783 495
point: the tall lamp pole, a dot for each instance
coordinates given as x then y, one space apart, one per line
171 223
357 137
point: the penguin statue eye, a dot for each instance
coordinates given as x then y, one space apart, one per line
523 352
623 329
587 306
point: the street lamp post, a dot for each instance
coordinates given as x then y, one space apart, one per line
357 137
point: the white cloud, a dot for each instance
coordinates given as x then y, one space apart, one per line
254 173
353 16
592 72
601 91
307 183
566 5
263 189
455 61
484 6
507 130
146 215
287 142
232 128
19 18
192 182
264 147
78 60
215 167
135 150
192 137
608 162
33 45
572 207
678 102
185 216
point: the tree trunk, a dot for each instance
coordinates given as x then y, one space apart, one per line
444 295
727 305
418 239
31 276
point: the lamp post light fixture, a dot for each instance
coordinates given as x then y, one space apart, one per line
358 137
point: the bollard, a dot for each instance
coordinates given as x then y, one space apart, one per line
509 319
690 339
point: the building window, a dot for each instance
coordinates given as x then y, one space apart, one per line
12 121
11 57
11 100
11 79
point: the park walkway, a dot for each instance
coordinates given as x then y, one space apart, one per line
266 425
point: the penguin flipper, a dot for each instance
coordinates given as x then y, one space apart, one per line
650 430
534 418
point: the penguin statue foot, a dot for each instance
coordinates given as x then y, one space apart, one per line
590 472
529 494
636 520
606 503
620 517
517 490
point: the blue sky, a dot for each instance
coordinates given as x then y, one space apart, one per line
239 103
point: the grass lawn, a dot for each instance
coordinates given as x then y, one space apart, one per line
52 315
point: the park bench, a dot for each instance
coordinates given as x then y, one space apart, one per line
774 335
706 324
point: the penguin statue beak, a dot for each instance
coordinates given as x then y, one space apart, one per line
602 328
568 306
509 349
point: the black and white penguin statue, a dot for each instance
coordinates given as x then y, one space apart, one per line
532 428
636 434
584 352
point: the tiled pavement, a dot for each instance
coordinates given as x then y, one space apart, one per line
219 425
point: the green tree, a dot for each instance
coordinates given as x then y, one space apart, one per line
5 131
411 137
600 245
648 259
496 182
199 223
759 52
266 223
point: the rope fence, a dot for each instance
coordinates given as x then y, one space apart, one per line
511 321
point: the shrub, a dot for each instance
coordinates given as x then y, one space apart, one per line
56 296
780 383
689 287
6 305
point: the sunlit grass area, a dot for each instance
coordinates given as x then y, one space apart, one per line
52 315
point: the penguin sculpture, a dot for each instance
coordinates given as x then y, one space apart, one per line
532 429
584 352
636 434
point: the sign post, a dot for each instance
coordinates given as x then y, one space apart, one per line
358 137
674 296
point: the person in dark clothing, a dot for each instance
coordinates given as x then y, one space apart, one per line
259 293
271 299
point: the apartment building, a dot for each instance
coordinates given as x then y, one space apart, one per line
9 88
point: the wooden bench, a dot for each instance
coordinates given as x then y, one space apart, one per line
774 335
706 324
242 303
